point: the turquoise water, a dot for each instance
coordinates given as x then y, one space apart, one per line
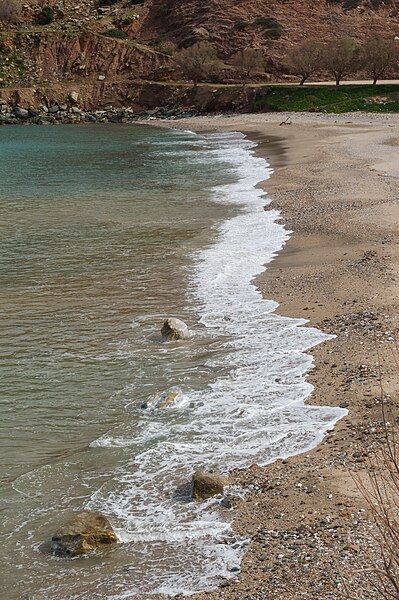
96 229
104 232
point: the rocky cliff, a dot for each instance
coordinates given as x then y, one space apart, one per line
105 47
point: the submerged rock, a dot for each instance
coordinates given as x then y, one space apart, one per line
174 329
205 485
85 532
163 400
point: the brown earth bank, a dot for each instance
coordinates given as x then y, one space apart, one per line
310 531
132 40
231 25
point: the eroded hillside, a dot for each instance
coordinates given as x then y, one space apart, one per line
104 45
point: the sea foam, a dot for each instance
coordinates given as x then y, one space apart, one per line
252 411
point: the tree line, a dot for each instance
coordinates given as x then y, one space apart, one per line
338 58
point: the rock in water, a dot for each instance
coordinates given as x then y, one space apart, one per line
167 399
174 329
85 532
206 485
163 400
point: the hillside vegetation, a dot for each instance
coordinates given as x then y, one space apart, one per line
111 45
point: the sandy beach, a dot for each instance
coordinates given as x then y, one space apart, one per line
336 185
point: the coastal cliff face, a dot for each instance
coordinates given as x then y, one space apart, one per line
54 56
104 48
88 54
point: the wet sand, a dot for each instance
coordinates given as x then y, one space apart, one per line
336 186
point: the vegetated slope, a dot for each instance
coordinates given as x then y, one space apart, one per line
273 25
107 46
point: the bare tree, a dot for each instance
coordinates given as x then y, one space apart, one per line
377 55
305 59
10 10
197 62
248 62
380 490
339 57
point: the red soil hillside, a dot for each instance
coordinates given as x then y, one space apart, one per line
108 46
274 25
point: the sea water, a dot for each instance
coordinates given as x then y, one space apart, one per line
105 231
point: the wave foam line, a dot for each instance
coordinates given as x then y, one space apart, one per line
255 413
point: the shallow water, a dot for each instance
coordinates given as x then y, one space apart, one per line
108 231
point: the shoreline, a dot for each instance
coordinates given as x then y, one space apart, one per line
308 525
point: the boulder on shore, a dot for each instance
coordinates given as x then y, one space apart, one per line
205 485
174 329
87 531
20 113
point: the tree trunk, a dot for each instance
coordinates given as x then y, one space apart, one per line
375 80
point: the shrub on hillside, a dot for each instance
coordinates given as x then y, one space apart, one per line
378 3
102 3
350 4
116 33
10 10
164 47
45 16
241 25
273 29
